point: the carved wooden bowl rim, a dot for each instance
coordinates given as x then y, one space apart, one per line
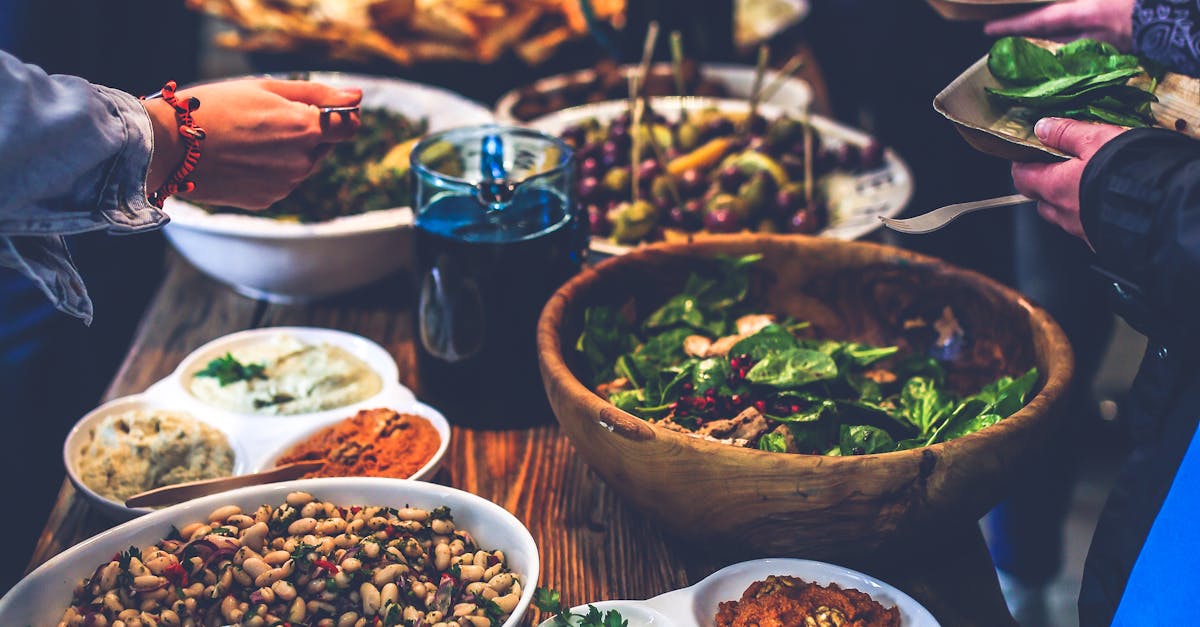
1055 372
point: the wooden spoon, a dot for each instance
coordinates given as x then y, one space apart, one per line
180 492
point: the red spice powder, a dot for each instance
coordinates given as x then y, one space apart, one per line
372 443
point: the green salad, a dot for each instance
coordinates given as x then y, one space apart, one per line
710 364
367 174
1084 80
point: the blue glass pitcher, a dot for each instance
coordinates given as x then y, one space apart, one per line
497 231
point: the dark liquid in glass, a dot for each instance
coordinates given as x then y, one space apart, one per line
483 281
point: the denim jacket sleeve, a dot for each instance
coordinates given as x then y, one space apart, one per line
73 159
1168 31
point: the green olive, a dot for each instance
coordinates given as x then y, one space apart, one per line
618 180
632 221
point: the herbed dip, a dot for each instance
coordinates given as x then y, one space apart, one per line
284 376
143 449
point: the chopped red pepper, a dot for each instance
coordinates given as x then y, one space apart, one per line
176 574
327 565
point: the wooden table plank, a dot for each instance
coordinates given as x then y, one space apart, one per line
592 546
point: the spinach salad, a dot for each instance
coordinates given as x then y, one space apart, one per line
1084 80
709 364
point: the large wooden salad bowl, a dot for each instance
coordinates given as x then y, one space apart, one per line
761 503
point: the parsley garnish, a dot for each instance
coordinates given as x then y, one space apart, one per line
303 551
227 369
441 513
277 399
549 601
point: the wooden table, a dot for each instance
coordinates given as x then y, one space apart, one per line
592 546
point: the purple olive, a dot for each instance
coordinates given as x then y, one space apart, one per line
691 182
719 127
598 221
721 221
611 155
575 136
790 199
758 124
793 165
649 169
621 137
589 167
730 178
588 151
804 221
849 157
590 189
693 214
677 217
872 155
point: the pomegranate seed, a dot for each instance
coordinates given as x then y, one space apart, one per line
736 399
795 408
761 406
686 387
736 363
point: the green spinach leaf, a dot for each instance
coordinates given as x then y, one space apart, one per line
972 424
627 400
774 442
1021 62
711 374
792 369
605 336
770 339
924 405
864 440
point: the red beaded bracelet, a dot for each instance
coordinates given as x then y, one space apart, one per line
192 136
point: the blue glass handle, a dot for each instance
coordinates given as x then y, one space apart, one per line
494 190
491 158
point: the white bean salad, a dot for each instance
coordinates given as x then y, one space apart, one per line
305 563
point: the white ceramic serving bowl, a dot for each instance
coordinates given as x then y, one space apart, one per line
696 606
854 211
43 595
257 440
290 261
793 94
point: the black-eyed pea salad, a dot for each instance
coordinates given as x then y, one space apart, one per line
303 562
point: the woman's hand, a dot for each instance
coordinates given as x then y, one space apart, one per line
1104 20
263 138
1056 185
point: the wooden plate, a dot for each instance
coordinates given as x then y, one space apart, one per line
1008 133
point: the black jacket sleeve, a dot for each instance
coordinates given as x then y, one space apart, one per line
1140 207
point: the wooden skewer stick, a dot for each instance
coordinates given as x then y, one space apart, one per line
660 155
677 62
791 67
764 55
677 70
635 145
637 83
647 53
808 158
